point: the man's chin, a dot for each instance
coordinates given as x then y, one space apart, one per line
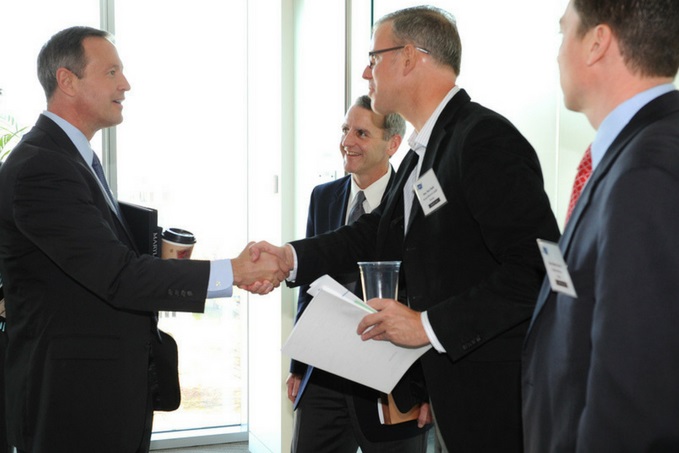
379 107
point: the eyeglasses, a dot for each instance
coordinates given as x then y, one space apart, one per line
371 55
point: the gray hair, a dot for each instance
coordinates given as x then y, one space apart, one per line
394 124
430 28
65 50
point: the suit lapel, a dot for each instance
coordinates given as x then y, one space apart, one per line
434 149
59 139
443 125
338 205
64 144
390 185
650 113
392 208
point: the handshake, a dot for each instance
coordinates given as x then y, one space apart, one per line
261 267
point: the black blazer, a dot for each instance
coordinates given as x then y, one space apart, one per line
601 370
4 445
473 264
80 303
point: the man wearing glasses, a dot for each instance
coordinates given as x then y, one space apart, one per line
464 214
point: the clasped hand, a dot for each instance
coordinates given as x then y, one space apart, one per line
261 267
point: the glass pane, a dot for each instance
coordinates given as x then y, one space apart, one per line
182 149
515 75
22 34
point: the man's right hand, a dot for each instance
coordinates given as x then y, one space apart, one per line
286 262
266 272
293 381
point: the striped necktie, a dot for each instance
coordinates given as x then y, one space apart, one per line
357 209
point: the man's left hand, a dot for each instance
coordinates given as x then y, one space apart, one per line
394 322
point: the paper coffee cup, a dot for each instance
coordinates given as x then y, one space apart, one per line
177 244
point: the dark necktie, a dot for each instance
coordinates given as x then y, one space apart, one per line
357 209
355 212
584 172
99 171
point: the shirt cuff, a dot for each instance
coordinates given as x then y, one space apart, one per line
430 333
221 279
293 273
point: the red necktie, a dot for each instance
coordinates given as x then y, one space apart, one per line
584 171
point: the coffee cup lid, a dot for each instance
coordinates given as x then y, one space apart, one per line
179 236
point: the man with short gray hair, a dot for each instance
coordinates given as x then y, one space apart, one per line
467 206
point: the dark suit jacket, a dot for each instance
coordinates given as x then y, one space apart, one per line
4 446
80 303
601 370
327 212
473 264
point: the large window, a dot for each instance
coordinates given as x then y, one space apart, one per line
509 65
26 26
184 148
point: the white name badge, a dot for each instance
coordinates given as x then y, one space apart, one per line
429 192
557 270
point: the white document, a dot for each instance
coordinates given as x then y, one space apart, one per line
325 337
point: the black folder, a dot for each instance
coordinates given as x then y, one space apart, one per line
142 222
143 225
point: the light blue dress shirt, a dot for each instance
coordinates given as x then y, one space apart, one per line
615 121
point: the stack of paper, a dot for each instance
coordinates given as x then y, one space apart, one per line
325 337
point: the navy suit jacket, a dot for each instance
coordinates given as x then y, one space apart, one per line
472 264
80 303
600 371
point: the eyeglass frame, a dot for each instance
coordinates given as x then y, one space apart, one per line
372 54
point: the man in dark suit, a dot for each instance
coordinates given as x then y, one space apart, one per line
80 299
470 266
601 367
332 413
4 445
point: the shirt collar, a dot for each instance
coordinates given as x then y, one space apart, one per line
78 138
373 193
419 139
615 121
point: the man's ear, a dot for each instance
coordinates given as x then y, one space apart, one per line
600 43
394 143
66 81
409 58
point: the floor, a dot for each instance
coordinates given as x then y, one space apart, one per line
238 447
242 447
